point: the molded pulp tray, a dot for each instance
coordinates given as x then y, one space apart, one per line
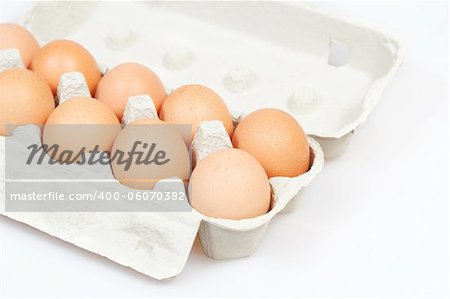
326 71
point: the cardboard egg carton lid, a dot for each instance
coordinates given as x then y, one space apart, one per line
328 71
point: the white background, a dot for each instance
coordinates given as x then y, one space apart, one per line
374 223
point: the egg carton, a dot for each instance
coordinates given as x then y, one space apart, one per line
114 235
326 70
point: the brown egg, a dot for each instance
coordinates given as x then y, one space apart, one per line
276 140
15 36
61 56
126 80
147 151
230 184
25 98
80 123
192 104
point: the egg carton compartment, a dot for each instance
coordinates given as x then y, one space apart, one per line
326 70
227 239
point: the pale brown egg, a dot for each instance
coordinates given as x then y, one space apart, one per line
192 104
25 98
80 123
147 151
230 184
15 36
276 140
61 56
126 80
